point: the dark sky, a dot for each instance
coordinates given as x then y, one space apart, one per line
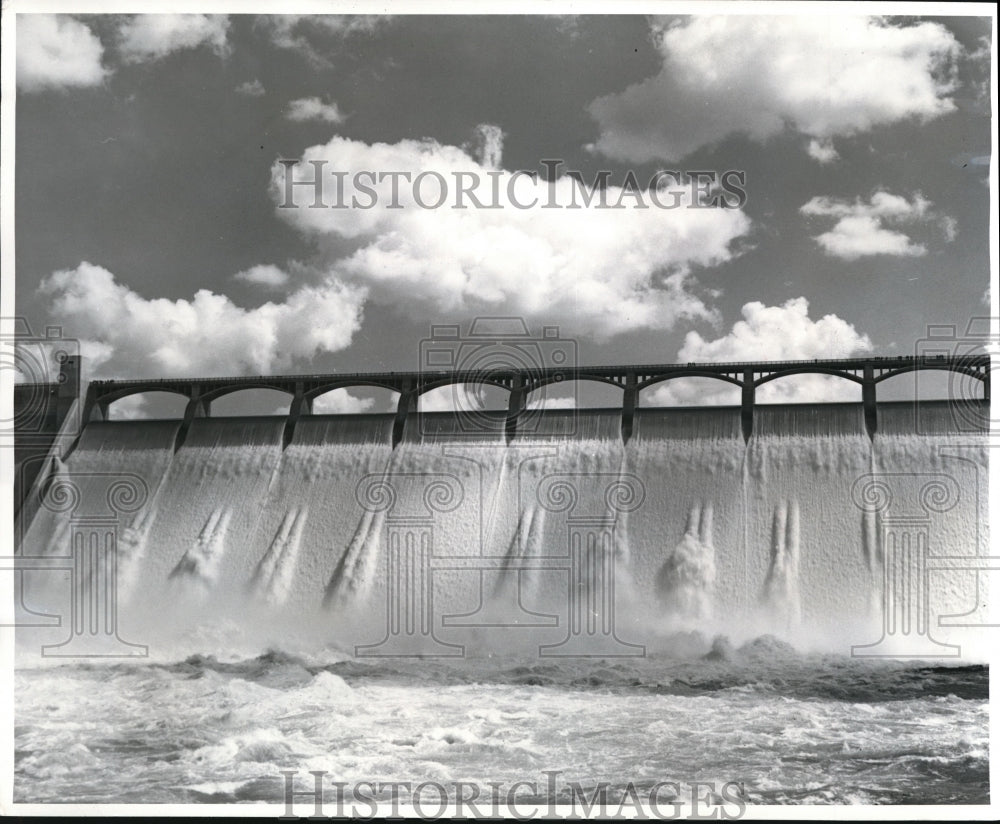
146 147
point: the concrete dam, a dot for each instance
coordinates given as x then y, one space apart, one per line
858 528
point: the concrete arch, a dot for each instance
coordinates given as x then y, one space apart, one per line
868 372
687 373
109 398
222 391
971 371
460 378
808 370
314 393
575 391
548 380
151 404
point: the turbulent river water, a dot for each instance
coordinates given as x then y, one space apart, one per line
563 610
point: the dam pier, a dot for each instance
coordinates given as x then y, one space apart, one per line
570 532
520 383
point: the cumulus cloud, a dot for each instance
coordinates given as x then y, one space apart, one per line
783 332
312 35
153 36
862 228
861 236
458 397
124 334
129 408
251 88
757 75
823 151
287 30
341 402
471 398
546 402
590 270
312 108
264 274
55 52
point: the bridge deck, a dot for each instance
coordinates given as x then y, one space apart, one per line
846 365
520 381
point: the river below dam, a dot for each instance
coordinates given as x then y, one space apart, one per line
771 618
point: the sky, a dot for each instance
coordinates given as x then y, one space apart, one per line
152 221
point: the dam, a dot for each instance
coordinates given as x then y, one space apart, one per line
563 533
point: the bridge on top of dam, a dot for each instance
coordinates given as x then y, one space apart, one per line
521 382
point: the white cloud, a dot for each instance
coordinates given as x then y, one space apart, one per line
823 151
757 75
311 35
129 408
862 236
56 51
458 396
152 36
470 398
783 332
590 270
861 229
881 204
288 30
124 334
551 403
251 88
312 108
340 402
264 274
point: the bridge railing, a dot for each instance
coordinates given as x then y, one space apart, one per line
845 364
748 375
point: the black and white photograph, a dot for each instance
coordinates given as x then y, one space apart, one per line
498 410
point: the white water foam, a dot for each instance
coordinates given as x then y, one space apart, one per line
726 536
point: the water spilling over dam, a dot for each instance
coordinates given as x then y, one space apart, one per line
633 595
594 533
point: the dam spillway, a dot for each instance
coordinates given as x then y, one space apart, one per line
565 538
972 374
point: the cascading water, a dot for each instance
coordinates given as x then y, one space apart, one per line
686 581
273 577
723 536
587 602
781 589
